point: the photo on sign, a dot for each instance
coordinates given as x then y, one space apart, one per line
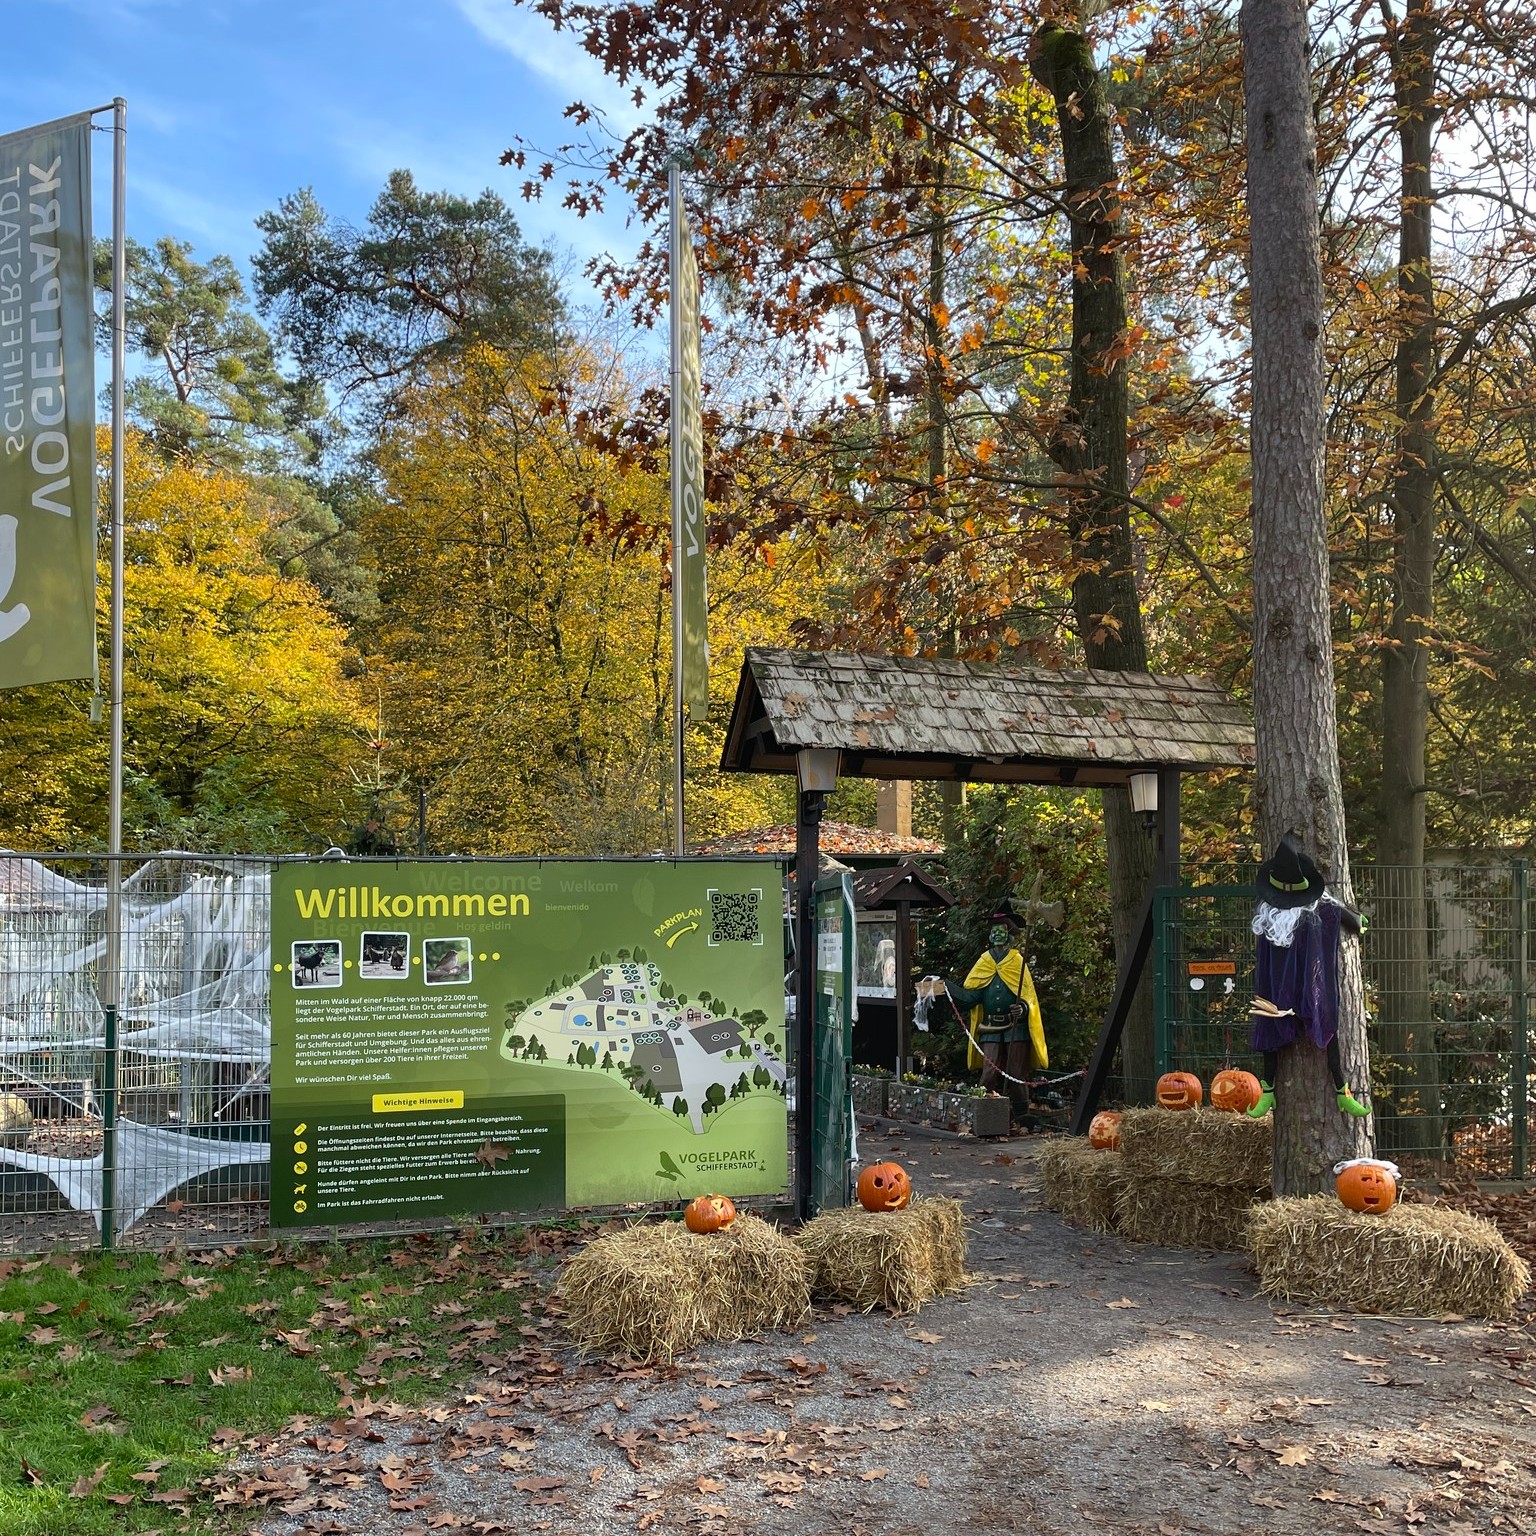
384 957
447 962
317 963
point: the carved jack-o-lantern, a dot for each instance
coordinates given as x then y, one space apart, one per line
885 1187
709 1213
1234 1090
1179 1090
1367 1185
1104 1130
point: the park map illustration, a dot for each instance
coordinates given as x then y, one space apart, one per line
688 1057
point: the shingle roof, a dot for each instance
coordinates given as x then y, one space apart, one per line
877 889
900 717
837 838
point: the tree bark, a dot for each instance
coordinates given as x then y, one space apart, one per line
1296 726
1089 448
1401 938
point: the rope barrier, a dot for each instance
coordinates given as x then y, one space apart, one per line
1023 1082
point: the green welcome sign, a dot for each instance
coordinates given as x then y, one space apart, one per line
517 1036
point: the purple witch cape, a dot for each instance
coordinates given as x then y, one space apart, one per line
1302 976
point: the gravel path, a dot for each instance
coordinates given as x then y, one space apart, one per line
1081 1384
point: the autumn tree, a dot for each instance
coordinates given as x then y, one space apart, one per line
523 647
208 391
884 186
239 724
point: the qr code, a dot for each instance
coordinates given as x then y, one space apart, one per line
733 917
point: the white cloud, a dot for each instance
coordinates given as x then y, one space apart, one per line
212 226
555 56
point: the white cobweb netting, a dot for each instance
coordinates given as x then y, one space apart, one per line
195 959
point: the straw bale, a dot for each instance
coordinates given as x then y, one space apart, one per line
1199 1146
1177 1214
1082 1182
1415 1261
891 1259
653 1290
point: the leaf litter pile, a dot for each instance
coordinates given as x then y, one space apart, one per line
1080 1385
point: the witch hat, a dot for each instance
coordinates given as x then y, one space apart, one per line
1288 877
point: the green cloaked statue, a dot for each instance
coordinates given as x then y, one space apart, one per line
1006 1035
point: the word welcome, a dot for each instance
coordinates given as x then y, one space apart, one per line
371 901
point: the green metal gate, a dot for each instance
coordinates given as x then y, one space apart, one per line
1203 951
1462 1097
832 1050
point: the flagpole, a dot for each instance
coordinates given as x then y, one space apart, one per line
112 968
119 350
674 262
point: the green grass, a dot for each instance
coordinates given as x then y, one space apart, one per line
157 1362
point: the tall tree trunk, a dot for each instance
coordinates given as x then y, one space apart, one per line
1296 725
1401 937
936 426
1089 448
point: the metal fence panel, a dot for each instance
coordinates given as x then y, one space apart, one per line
147 1125
1448 971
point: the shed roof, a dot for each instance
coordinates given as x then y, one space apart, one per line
903 717
876 890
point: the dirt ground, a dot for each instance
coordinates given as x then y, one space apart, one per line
1081 1384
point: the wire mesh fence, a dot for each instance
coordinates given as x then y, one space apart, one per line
148 1125
145 1123
1448 974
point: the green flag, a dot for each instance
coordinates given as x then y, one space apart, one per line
688 469
47 406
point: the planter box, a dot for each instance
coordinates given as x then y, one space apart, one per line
869 1094
948 1111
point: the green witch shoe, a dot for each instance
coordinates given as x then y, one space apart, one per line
1266 1101
1350 1104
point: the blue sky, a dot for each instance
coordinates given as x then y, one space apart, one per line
234 103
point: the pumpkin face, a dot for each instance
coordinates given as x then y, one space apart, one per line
1104 1130
885 1187
1179 1090
1366 1185
709 1213
1235 1091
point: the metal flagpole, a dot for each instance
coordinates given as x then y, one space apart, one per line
111 982
675 269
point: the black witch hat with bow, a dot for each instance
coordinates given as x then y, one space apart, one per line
1288 877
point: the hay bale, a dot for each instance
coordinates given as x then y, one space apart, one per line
1177 1214
15 1122
1199 1146
653 1290
1083 1183
1415 1261
891 1259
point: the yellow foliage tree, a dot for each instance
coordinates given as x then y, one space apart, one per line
239 725
523 656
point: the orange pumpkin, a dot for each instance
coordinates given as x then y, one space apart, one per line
885 1187
1104 1130
1179 1090
709 1213
1235 1090
1367 1185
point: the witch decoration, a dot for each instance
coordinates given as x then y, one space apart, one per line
1296 972
1003 1024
